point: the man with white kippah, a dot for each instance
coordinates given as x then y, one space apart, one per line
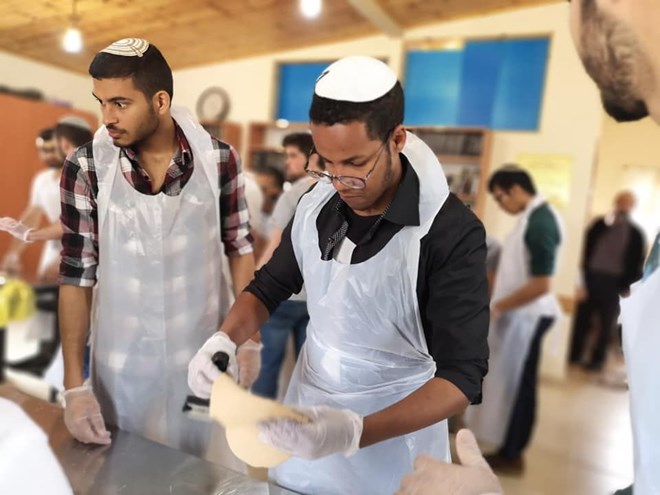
394 268
149 208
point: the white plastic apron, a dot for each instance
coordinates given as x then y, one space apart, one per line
43 325
365 347
509 337
158 293
640 317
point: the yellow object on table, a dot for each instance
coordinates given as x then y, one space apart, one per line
240 412
17 300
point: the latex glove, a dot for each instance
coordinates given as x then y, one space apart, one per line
329 431
472 477
82 416
248 357
17 229
201 370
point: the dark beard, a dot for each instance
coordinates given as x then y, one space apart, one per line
635 110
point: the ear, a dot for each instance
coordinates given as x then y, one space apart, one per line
161 102
399 137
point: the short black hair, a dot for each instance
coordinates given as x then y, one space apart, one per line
381 115
46 134
150 72
76 135
269 171
301 140
510 175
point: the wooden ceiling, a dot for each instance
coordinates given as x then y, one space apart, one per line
198 32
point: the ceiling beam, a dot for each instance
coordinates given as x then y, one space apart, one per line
375 14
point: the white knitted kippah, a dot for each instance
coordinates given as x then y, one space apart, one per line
357 79
128 47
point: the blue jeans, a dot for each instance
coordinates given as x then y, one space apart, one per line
290 316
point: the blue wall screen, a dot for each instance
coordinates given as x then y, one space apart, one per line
296 89
433 87
496 84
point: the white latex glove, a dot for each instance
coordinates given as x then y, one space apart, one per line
248 357
329 431
472 477
201 370
82 416
17 229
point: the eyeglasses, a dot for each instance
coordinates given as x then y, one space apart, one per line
347 180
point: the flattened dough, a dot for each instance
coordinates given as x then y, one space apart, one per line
239 412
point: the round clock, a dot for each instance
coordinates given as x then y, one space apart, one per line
213 104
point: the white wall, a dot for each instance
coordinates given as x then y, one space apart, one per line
63 85
571 115
629 158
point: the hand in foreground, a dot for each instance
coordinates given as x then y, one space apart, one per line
17 229
202 372
472 477
248 357
82 416
329 431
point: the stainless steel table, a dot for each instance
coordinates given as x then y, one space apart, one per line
132 465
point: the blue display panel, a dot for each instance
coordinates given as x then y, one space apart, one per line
432 87
496 84
296 88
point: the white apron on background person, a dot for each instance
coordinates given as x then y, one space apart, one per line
365 347
45 195
640 319
158 294
509 336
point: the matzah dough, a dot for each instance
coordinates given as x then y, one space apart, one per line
240 412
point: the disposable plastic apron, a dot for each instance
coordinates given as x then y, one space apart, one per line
509 337
43 324
50 205
158 294
365 347
640 314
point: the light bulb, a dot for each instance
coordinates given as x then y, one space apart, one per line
72 41
310 8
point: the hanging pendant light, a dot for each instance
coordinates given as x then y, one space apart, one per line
72 40
310 8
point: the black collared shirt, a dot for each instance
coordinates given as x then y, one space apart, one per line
451 285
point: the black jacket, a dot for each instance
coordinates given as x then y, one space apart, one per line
634 254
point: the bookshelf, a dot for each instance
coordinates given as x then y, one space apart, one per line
464 153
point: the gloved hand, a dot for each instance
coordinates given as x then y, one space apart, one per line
201 370
82 416
472 477
248 357
329 431
15 228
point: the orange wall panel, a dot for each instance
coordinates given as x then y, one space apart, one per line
20 122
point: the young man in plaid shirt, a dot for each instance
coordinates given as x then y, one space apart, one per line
148 207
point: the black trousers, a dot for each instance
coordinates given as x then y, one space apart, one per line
602 299
523 416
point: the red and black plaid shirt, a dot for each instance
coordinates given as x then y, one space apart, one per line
79 189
